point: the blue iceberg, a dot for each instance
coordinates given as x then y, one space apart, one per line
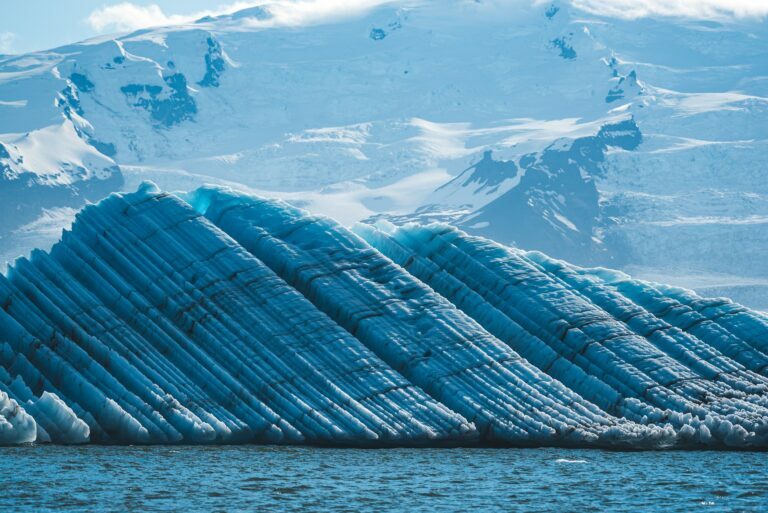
219 317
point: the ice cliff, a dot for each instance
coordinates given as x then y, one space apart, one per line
219 317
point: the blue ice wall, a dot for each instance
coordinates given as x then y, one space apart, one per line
226 318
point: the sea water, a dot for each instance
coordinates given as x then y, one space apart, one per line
258 478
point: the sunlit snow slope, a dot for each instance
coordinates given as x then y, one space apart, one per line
603 141
221 317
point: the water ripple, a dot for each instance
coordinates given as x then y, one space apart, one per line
253 478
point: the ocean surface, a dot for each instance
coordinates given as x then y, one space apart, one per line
257 478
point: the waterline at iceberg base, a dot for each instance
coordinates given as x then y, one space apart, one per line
218 317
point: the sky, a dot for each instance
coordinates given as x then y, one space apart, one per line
30 25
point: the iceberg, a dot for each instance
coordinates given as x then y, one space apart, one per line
220 317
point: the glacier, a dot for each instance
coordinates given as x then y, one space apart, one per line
217 316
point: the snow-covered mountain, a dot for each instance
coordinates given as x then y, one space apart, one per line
639 144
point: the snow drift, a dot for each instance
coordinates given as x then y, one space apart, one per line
221 317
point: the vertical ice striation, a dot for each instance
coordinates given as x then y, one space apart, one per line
153 326
228 318
416 331
622 344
